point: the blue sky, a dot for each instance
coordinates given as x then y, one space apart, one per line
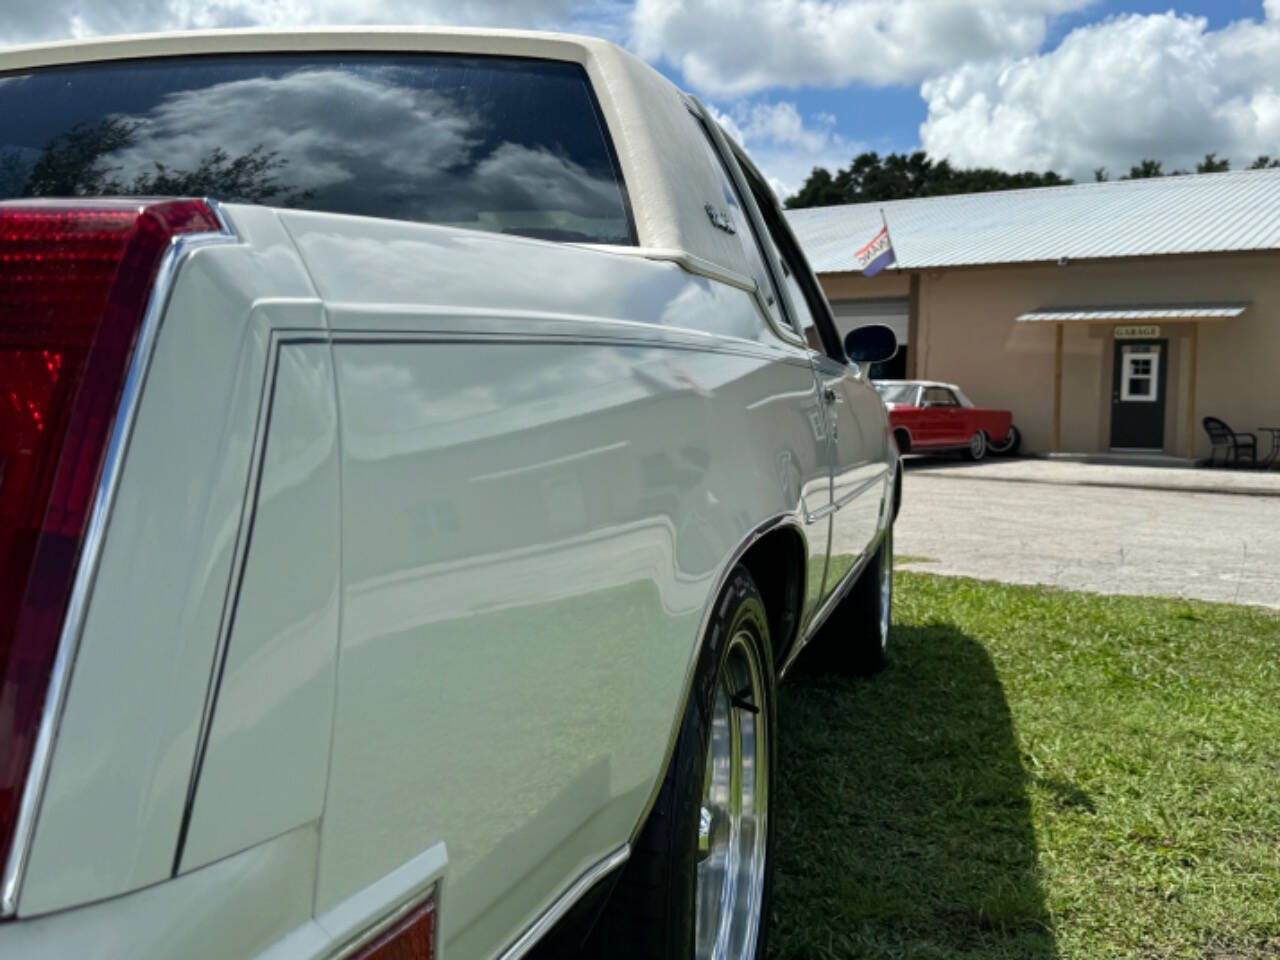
888 118
1068 85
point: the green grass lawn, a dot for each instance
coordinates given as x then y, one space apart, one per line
1037 774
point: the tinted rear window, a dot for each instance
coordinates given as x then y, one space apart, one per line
505 145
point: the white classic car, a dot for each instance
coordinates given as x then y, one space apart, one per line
401 544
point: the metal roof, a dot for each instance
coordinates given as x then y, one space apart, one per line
1196 213
1188 311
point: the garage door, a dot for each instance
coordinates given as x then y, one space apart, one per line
892 312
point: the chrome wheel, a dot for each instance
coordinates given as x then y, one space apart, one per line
732 830
977 445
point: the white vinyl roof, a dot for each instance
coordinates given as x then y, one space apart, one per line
1189 311
1199 213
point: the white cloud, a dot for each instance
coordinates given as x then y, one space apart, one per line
741 46
783 144
1161 86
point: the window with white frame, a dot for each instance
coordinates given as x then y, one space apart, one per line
1139 380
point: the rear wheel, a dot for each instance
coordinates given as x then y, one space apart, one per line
698 881
977 448
1009 445
855 638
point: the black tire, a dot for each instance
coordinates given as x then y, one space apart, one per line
855 639
977 448
650 913
1009 445
903 439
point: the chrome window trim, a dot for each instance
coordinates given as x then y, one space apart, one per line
781 326
699 266
702 267
813 516
856 491
785 330
561 905
91 551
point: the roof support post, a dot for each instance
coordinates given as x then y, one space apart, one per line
913 329
1057 388
1191 391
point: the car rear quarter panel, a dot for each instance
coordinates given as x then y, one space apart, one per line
995 423
548 456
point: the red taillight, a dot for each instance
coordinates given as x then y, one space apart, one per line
412 938
75 278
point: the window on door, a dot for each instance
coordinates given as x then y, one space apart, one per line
1138 378
812 316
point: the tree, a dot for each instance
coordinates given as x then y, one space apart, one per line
1145 170
72 163
820 190
76 163
1211 164
249 178
871 178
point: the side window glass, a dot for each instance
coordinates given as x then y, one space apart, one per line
940 397
732 206
802 320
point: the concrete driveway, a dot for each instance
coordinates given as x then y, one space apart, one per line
1207 534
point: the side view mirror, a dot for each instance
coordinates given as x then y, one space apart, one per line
870 344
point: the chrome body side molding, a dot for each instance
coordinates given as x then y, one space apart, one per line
563 903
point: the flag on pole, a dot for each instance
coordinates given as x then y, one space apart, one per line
877 254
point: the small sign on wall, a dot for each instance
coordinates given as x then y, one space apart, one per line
1147 332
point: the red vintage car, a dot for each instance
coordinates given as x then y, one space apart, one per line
929 416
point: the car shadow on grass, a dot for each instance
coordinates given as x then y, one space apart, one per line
903 827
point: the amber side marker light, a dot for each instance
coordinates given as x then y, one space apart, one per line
411 938
75 280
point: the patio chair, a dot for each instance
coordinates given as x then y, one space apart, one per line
1234 446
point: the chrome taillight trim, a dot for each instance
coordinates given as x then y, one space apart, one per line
91 551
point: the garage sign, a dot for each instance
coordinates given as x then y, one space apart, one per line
1146 332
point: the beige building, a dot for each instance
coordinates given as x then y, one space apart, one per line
1107 317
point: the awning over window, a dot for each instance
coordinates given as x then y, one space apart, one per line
1168 312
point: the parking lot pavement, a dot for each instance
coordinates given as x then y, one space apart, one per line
1107 529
